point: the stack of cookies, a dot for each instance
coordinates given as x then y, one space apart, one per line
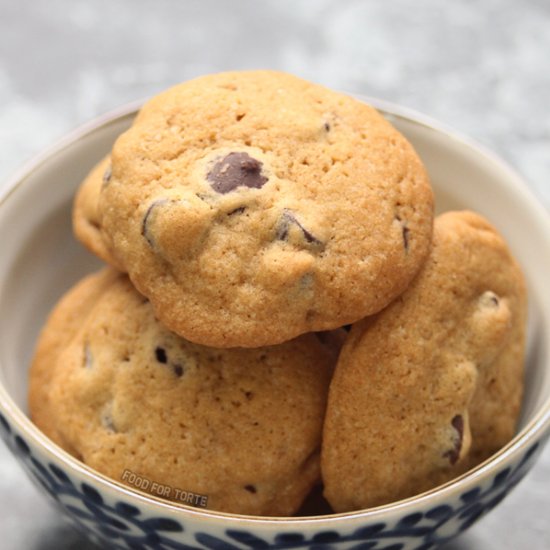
246 218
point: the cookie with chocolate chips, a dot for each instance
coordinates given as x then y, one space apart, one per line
235 430
432 385
251 207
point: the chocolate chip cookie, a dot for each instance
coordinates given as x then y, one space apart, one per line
233 430
251 207
432 385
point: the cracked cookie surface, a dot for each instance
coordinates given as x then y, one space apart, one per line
432 385
241 427
252 207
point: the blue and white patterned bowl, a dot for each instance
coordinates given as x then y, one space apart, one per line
40 260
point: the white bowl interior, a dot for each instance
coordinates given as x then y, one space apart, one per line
40 258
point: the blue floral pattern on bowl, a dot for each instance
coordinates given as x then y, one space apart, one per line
123 525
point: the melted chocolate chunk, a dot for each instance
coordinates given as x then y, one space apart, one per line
178 370
287 220
236 170
160 355
251 489
145 232
454 454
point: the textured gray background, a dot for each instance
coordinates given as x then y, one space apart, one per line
481 66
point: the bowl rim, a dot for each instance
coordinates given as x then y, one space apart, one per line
534 430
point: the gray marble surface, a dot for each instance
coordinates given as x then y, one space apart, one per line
480 66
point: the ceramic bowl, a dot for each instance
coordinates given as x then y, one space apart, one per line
40 260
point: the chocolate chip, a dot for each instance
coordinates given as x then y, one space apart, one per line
251 489
239 210
160 354
458 425
406 232
326 127
145 232
287 220
107 175
454 454
490 299
107 419
108 424
162 357
234 170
